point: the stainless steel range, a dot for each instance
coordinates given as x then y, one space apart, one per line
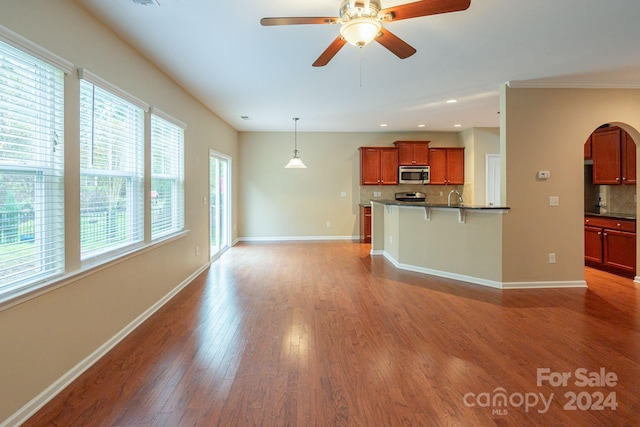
410 197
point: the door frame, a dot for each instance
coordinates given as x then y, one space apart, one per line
492 169
220 156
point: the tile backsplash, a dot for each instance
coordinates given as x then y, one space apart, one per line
617 198
622 198
434 193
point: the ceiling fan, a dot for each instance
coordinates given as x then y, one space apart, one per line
361 23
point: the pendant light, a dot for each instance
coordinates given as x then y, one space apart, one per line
296 161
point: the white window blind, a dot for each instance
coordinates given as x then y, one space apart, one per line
31 170
167 177
111 171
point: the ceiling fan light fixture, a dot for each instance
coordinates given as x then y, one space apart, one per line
360 31
296 161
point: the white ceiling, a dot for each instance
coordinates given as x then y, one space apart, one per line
219 52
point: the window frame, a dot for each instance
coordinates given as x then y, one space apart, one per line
135 209
176 180
44 129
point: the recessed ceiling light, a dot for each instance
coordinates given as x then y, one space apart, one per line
457 125
421 126
383 125
451 101
147 2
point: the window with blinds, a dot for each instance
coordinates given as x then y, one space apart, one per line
167 177
111 171
31 169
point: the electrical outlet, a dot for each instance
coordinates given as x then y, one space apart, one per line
328 224
552 258
343 194
554 201
197 251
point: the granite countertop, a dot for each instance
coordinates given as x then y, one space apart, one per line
616 215
440 205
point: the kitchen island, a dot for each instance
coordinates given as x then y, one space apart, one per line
462 242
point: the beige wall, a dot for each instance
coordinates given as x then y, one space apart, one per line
44 337
297 203
444 246
545 129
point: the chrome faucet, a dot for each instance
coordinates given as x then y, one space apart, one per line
459 197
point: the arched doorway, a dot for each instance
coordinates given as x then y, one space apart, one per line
610 200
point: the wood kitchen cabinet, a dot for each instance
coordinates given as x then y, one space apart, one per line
365 223
378 166
447 165
610 244
413 153
614 157
628 158
587 149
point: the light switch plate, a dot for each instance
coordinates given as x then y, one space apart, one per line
554 201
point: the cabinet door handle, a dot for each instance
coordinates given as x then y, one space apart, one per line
617 179
618 225
599 233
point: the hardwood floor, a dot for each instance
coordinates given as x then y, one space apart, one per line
322 334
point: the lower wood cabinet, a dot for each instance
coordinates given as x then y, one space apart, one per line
610 244
365 224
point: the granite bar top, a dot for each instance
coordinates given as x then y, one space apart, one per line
615 215
440 205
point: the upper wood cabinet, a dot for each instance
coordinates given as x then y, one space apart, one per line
378 166
413 153
447 165
587 148
614 157
628 159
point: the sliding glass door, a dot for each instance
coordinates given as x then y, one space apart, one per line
219 202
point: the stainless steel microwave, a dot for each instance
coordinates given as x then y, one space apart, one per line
414 174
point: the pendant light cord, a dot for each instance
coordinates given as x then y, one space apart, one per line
295 135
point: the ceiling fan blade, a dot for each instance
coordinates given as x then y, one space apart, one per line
330 52
297 21
395 44
423 8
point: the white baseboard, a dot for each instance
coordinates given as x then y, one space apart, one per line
296 238
28 410
486 282
548 285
